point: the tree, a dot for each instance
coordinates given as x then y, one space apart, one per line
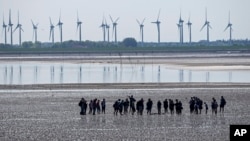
27 44
129 42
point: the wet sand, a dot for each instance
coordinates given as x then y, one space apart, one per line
54 115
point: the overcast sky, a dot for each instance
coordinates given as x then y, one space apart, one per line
92 11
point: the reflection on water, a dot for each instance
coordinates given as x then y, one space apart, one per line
46 73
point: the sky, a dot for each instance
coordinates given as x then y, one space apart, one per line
91 14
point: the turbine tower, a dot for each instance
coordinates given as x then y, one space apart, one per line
107 29
207 23
5 31
10 28
141 25
180 27
19 26
157 22
51 31
60 27
34 30
114 27
103 26
230 28
79 25
189 24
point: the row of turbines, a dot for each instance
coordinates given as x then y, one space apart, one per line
105 28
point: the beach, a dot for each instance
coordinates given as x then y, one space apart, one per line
51 111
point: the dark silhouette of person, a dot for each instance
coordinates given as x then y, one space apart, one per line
103 103
191 105
116 106
200 104
132 104
196 107
177 108
159 107
126 105
180 108
171 106
90 106
149 106
165 105
206 106
83 105
140 106
94 106
98 107
222 104
121 105
214 106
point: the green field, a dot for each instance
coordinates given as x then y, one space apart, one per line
242 49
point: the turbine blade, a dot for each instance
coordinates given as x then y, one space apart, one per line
159 15
105 21
9 17
210 26
18 17
226 28
33 24
138 22
77 16
50 21
111 19
143 21
117 19
15 28
203 26
206 14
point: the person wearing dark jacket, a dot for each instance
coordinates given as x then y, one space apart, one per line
159 107
83 105
149 105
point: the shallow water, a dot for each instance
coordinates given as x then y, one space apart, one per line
50 73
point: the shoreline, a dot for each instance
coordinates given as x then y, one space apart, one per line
123 86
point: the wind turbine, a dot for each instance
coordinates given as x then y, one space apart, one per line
189 24
19 26
79 25
107 29
141 25
60 27
5 31
180 27
51 30
10 28
230 28
157 22
35 26
114 27
103 26
207 23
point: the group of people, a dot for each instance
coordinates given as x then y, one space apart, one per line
196 105
94 106
130 105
